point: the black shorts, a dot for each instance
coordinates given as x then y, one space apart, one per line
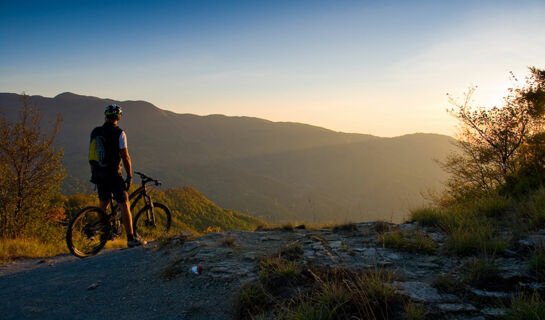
112 184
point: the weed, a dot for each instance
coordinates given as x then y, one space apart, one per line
535 209
536 264
277 271
418 242
292 251
427 216
414 311
477 237
250 299
227 242
446 283
381 226
30 248
525 307
345 227
480 272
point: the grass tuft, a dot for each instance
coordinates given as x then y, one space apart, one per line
536 264
347 227
524 307
29 248
480 273
414 311
431 217
251 299
416 242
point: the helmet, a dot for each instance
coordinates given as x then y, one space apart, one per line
113 110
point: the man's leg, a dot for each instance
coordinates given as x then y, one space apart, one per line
126 217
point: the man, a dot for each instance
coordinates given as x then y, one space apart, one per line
108 148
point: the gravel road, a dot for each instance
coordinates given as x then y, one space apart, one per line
116 284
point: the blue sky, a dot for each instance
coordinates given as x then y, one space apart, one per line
357 66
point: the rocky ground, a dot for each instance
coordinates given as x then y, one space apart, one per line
156 282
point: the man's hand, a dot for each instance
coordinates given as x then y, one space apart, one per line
128 182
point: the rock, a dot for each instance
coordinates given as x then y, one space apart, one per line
533 285
421 292
456 307
494 312
94 285
537 240
491 294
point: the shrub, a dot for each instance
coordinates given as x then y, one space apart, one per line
276 270
381 226
536 265
418 242
480 272
250 299
427 216
414 311
525 307
346 227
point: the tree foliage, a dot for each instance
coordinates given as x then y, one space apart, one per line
30 170
498 145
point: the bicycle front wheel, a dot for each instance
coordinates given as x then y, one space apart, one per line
152 224
88 232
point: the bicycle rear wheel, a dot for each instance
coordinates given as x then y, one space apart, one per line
88 232
152 225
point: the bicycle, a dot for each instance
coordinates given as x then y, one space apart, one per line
91 227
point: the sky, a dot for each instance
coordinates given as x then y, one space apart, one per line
374 67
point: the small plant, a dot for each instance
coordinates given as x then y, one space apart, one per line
292 251
381 226
427 216
227 242
347 227
418 242
447 283
480 272
288 227
276 270
414 311
524 307
536 265
252 298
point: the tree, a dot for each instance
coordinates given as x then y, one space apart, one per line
496 143
30 170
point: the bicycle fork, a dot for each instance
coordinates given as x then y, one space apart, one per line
149 213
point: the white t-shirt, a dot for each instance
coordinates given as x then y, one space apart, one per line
122 140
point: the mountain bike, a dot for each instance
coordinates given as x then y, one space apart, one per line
91 227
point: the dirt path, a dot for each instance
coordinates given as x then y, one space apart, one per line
156 283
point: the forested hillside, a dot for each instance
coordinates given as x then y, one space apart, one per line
273 170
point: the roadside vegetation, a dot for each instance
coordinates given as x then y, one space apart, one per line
34 214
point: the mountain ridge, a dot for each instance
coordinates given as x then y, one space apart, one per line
277 171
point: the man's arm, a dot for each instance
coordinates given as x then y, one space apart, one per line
124 153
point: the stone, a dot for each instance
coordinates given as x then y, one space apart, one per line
537 240
494 312
456 307
420 291
490 294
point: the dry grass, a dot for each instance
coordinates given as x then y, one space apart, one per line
29 248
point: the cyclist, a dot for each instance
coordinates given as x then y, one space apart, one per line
107 150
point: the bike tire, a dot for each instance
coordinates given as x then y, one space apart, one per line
144 227
88 232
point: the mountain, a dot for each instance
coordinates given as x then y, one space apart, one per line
277 171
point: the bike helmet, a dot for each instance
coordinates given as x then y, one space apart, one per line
113 110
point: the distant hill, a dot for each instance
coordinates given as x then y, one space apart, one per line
277 171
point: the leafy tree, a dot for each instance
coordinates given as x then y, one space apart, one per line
30 170
497 144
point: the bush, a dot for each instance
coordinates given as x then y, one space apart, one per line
427 216
525 307
418 242
252 298
536 265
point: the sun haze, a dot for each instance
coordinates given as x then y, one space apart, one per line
353 66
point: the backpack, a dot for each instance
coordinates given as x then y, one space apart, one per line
104 151
97 152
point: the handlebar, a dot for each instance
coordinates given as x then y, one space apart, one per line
145 179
